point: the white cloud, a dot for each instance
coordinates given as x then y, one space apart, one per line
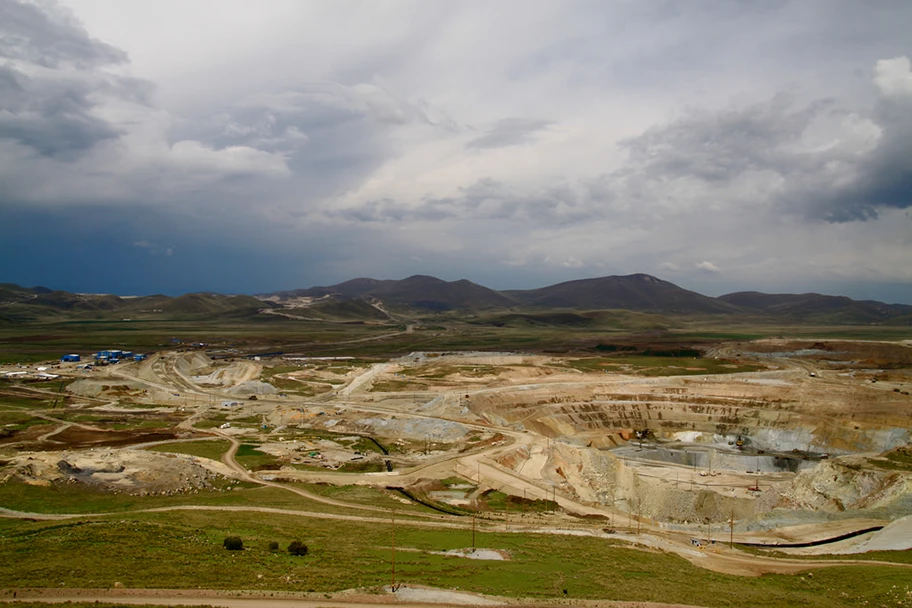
196 157
894 76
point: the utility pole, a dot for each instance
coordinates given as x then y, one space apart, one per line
614 490
393 555
692 474
473 530
639 512
731 531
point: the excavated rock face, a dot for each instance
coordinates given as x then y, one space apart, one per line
601 477
769 413
846 483
129 471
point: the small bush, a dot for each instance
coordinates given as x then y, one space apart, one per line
234 543
273 546
297 548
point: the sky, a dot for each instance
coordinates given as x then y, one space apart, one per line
246 147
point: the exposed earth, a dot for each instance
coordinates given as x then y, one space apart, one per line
772 442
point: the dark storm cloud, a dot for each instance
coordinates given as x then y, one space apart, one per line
52 84
884 175
278 153
45 34
486 199
333 135
52 116
73 130
509 132
847 178
715 147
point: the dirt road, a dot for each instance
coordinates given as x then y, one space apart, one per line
413 597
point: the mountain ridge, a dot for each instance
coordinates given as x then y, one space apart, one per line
638 292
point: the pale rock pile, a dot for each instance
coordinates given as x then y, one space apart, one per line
129 471
223 376
97 388
253 387
192 364
845 483
418 429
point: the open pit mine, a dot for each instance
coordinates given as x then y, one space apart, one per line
773 443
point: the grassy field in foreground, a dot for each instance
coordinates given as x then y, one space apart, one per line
212 449
77 499
185 551
364 495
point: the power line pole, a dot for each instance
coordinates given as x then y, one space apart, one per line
393 554
473 531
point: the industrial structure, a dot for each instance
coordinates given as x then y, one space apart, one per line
109 357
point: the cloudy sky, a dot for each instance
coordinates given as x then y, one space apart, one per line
238 146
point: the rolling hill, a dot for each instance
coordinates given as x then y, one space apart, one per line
418 291
21 305
809 307
577 303
640 292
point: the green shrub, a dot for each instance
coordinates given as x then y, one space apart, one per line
234 543
273 546
297 548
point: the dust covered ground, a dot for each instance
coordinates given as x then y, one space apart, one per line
749 439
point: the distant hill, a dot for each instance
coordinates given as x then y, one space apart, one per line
10 292
20 305
418 291
637 300
814 306
619 319
640 292
332 309
349 289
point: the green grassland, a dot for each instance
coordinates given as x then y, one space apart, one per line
212 449
13 396
661 366
364 495
158 550
79 499
250 457
898 459
498 501
48 339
